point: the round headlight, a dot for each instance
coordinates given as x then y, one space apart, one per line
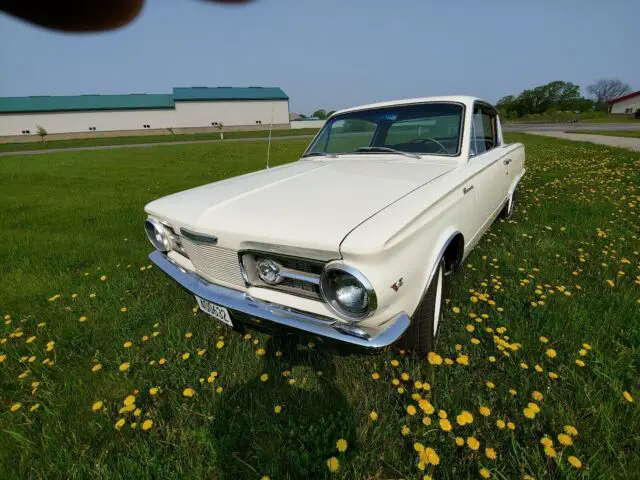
347 292
157 235
268 271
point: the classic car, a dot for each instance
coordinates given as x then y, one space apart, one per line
353 242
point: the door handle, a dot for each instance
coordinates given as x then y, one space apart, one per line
466 190
507 161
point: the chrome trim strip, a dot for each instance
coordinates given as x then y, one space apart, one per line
295 275
242 304
199 237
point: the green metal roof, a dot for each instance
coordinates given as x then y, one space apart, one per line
85 102
229 93
136 100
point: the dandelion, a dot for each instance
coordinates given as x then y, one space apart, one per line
426 421
580 363
586 346
83 318
537 395
462 360
627 396
544 339
492 359
395 363
411 410
434 359
373 415
277 409
147 424
551 353
123 309
465 418
96 368
426 406
485 411
31 339
473 443
261 352
188 392
15 407
484 473
511 425
574 461
550 452
513 392
124 366
103 278
375 376
490 453
490 385
342 445
97 405
220 344
34 407
129 400
186 355
120 423
546 442
459 441
127 344
565 440
404 376
570 430
445 425
500 424
188 335
530 414
470 328
162 361
553 375
333 464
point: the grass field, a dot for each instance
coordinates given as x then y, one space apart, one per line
107 371
184 137
612 133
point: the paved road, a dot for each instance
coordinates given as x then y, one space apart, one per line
623 142
563 127
145 145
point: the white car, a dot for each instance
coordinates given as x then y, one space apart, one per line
351 243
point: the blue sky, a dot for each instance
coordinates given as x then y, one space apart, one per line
333 53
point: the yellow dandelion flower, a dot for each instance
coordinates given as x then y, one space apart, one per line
124 366
464 418
333 464
571 430
188 392
550 452
551 353
534 407
411 410
500 424
15 407
485 411
537 395
96 368
264 377
123 309
530 414
586 346
445 425
426 406
34 407
97 405
120 423
261 352
220 344
448 361
375 376
490 453
129 400
162 361
490 385
582 352
31 339
580 363
459 441
473 443
492 359
434 359
404 376
553 375
342 445
546 442
484 473
565 439
147 424
426 421
462 360
373 415
103 278
395 363
186 355
188 335
83 318
544 339
277 409
574 461
511 425
513 392
127 344
219 390
470 328
137 412
627 396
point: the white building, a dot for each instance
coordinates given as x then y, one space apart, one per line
626 104
185 108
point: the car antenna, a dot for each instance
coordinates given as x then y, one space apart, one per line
269 146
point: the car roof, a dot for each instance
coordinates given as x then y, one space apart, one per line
464 99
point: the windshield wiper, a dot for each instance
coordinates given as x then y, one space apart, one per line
319 154
386 150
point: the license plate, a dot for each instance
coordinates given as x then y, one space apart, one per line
216 311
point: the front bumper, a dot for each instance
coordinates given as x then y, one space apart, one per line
263 315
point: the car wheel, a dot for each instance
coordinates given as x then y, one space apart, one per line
423 330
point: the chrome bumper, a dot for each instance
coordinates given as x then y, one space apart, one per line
247 310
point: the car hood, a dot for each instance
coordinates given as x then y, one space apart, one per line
310 204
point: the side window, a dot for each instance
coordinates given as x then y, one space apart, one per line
484 131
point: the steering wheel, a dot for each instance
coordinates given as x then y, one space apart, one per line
443 149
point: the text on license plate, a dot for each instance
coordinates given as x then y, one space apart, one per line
216 311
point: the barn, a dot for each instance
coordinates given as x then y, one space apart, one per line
185 109
626 104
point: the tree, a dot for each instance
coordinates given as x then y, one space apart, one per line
321 114
220 126
607 89
42 132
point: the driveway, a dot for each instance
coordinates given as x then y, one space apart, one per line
622 142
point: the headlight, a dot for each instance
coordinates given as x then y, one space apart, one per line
158 234
347 292
268 271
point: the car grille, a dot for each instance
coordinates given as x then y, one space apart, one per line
216 263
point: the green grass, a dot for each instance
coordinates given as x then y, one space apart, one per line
68 219
183 137
612 133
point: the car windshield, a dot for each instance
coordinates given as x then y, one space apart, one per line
418 129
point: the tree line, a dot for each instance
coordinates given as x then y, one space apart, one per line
560 96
